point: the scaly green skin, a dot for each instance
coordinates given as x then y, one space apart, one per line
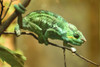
50 25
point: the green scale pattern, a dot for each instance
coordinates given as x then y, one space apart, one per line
44 19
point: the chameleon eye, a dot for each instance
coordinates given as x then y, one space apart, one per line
76 35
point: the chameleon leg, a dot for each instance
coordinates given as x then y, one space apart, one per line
19 25
66 44
35 28
52 33
17 30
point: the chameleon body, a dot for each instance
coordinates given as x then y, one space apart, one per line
50 25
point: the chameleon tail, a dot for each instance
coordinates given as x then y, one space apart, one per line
20 9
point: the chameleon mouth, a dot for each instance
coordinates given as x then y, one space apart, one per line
68 44
75 43
78 42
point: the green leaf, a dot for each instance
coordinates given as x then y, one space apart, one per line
11 57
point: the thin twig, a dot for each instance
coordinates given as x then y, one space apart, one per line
87 59
63 47
1 7
64 57
1 10
7 10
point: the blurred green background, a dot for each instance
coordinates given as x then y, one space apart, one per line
84 14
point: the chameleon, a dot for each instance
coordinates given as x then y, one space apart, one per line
46 25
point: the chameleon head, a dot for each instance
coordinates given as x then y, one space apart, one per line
74 36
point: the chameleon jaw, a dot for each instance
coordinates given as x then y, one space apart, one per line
67 44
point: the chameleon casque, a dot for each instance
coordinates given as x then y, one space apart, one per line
50 25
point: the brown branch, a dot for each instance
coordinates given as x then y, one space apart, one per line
1 7
87 59
7 10
6 23
63 47
64 54
1 10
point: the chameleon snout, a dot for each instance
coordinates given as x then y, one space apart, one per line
84 40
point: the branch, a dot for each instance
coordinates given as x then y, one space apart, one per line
63 47
64 58
6 23
7 10
1 10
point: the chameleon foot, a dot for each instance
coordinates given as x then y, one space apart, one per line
17 32
42 40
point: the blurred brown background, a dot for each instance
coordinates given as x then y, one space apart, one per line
84 14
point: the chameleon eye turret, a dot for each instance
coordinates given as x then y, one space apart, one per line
76 36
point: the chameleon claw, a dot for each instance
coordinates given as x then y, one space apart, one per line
18 33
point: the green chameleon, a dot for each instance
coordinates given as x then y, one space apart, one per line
49 25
